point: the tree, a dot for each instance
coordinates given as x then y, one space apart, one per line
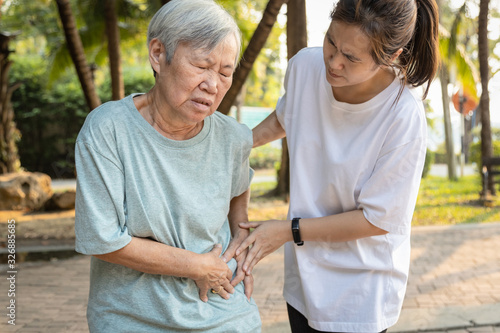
456 64
296 31
75 48
113 36
9 158
484 104
251 52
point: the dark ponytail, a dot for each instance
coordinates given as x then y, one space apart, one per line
422 60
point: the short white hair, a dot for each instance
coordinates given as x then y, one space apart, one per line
199 23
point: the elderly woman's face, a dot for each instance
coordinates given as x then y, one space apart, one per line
195 81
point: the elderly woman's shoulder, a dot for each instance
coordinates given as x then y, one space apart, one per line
230 126
109 113
106 118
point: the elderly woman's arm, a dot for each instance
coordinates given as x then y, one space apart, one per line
208 270
238 212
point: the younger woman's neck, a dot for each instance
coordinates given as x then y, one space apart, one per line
364 91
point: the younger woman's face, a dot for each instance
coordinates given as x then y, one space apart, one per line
346 53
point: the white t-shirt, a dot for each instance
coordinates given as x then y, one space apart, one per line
345 157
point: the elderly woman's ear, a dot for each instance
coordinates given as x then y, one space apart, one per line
155 51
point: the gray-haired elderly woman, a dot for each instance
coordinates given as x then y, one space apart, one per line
163 182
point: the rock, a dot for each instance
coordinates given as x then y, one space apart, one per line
24 190
62 201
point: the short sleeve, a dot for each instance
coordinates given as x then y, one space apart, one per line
388 198
99 210
242 173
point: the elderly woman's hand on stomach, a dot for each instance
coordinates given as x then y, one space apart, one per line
214 274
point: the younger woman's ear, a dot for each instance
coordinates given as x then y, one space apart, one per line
396 55
155 51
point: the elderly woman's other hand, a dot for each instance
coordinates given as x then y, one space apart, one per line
214 275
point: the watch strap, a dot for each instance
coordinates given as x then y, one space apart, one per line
296 231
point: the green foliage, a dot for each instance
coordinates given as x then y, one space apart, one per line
49 119
264 82
265 157
442 202
135 80
429 161
475 152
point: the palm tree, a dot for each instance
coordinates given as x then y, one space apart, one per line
484 104
456 63
251 52
113 36
296 31
9 157
75 48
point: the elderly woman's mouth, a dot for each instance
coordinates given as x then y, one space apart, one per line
203 102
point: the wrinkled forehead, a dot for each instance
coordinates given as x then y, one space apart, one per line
350 36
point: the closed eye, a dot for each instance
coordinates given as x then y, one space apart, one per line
347 56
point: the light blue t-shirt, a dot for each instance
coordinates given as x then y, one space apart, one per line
132 181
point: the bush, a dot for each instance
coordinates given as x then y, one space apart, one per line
265 157
429 161
475 153
49 119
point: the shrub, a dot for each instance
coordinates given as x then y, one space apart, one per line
475 153
265 157
429 161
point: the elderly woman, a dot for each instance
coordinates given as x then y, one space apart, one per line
163 183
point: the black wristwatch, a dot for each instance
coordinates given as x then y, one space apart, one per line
296 231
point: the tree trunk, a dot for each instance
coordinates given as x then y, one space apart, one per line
9 157
77 53
484 70
113 35
251 52
296 31
448 134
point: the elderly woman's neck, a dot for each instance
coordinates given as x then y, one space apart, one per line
163 121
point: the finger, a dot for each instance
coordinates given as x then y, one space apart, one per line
239 276
217 250
248 282
203 294
224 294
228 287
245 244
230 251
250 257
254 262
248 225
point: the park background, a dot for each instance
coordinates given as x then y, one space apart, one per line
49 106
455 265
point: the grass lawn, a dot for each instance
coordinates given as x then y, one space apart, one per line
439 202
443 202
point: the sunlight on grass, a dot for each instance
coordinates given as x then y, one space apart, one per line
440 202
443 202
262 208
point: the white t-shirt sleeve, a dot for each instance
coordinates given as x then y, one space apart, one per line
388 198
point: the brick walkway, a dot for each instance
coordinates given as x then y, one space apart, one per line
454 287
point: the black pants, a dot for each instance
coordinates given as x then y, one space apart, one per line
298 323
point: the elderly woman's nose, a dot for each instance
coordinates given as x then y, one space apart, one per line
210 83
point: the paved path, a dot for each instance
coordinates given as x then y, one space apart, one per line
454 286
